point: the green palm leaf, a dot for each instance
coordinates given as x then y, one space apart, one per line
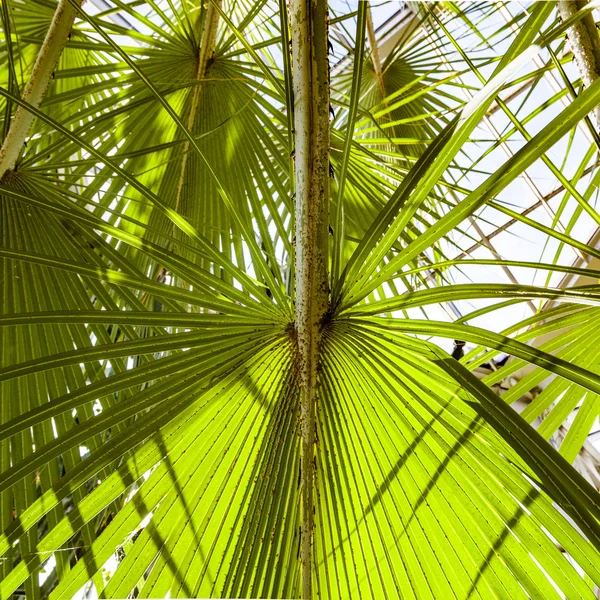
181 415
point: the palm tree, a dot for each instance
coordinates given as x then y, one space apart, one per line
237 242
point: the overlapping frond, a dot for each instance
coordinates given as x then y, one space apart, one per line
150 428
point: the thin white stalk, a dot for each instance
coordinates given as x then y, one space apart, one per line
584 41
36 87
309 27
205 53
375 52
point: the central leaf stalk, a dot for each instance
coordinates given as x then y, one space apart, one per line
309 27
208 38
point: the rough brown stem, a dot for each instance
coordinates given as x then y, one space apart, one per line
309 25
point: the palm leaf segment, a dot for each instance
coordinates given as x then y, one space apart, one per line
149 381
